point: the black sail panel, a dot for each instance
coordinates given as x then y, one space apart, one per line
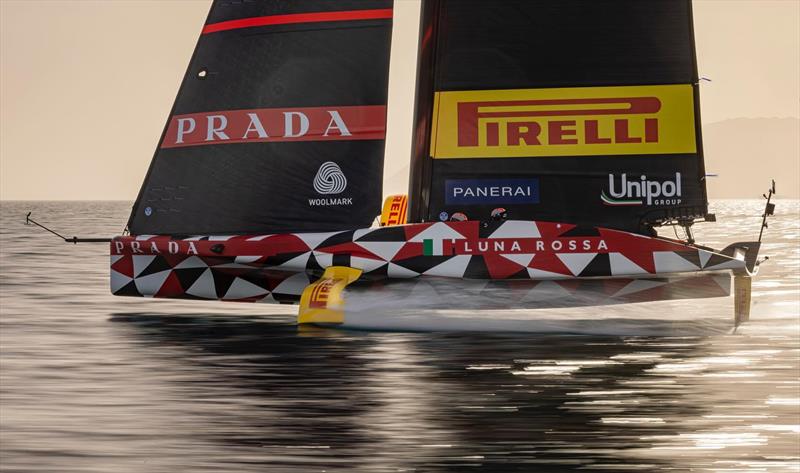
564 110
279 123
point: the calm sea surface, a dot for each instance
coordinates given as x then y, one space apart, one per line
94 383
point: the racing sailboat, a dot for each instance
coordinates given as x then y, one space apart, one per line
551 140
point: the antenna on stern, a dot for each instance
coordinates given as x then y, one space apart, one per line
769 210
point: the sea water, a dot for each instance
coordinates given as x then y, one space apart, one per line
95 383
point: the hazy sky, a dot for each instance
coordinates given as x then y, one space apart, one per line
86 86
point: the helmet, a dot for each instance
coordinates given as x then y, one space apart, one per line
499 214
459 217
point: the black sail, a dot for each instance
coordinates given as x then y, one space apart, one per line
563 110
279 123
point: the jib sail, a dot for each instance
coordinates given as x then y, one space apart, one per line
562 110
279 123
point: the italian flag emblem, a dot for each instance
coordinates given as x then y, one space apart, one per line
432 248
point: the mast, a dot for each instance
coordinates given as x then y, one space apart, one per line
419 181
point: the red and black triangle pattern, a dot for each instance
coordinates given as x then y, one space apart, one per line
278 267
194 277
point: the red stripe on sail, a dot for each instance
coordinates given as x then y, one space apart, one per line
333 123
316 17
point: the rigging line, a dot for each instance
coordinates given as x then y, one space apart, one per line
29 220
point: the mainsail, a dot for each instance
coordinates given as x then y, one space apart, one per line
564 110
279 123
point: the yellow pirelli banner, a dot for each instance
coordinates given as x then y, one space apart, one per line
580 121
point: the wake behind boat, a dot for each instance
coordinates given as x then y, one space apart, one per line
551 140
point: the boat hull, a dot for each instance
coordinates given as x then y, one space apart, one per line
276 268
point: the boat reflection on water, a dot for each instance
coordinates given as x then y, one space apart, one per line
328 399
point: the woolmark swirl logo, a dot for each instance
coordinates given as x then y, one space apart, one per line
330 179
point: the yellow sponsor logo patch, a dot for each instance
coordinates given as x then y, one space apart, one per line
394 210
581 121
323 301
